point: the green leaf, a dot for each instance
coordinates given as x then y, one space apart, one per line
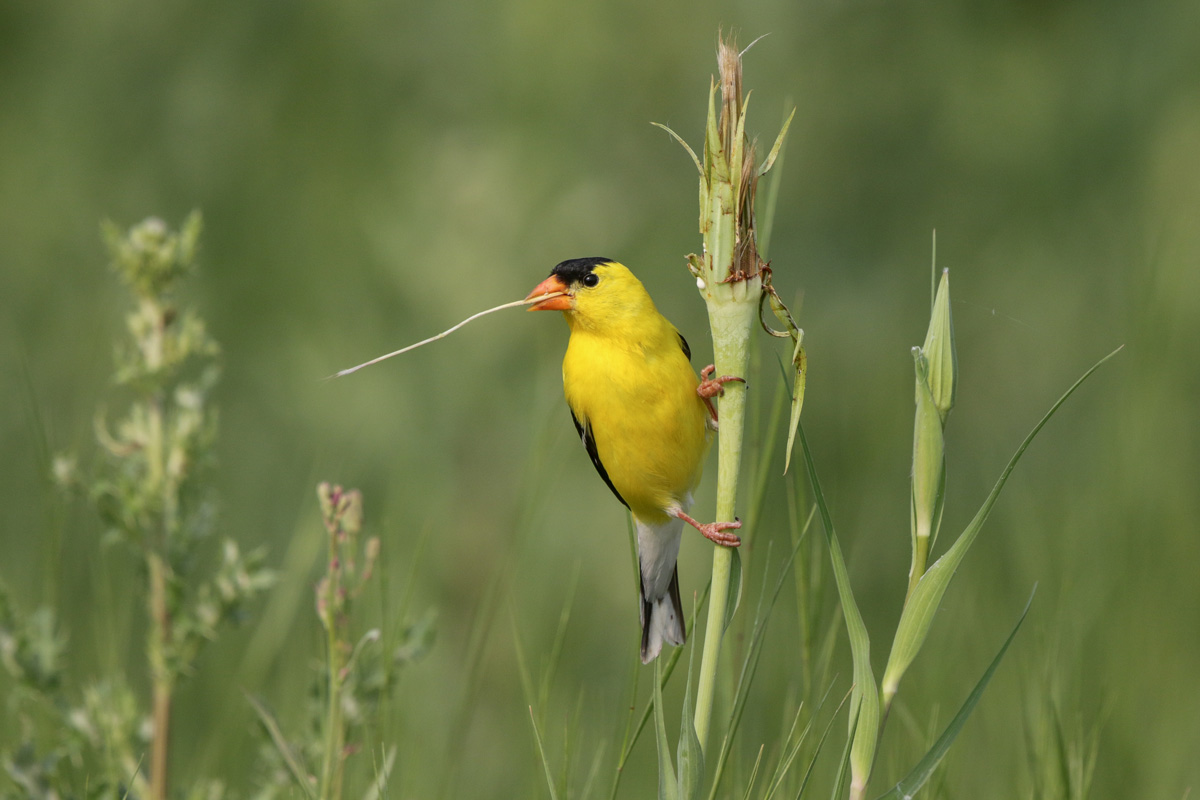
765 218
908 787
938 349
685 145
799 364
690 754
923 602
839 786
542 754
766 165
668 785
864 702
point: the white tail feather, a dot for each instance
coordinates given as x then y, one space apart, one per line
660 608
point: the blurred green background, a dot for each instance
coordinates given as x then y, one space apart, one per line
372 172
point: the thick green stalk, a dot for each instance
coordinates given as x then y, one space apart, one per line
731 310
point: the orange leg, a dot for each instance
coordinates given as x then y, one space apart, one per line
712 530
711 387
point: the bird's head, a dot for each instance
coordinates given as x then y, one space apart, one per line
597 293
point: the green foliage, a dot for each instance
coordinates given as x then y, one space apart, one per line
358 677
364 189
920 774
152 494
96 739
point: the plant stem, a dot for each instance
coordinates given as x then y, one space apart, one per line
159 634
731 309
157 567
920 557
335 734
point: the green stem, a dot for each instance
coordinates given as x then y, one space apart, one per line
155 543
331 767
161 698
919 560
731 309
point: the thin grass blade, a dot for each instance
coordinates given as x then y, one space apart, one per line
839 785
542 754
668 784
907 788
290 759
690 756
864 703
754 773
379 783
821 745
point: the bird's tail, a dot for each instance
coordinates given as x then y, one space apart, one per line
661 608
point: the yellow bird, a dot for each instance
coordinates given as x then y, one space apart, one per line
644 418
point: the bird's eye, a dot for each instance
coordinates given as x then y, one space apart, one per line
591 279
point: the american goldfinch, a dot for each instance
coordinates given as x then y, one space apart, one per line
644 419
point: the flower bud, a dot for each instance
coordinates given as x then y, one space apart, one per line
929 458
940 357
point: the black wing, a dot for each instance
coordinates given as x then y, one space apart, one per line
589 443
687 351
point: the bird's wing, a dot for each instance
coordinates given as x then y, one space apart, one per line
589 443
687 351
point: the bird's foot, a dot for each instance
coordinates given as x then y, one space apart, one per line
711 387
714 531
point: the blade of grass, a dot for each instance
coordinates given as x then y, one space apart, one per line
668 785
793 744
839 785
754 773
290 759
907 788
690 756
821 745
864 704
542 753
379 783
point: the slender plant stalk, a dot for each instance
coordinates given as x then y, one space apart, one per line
335 734
155 548
160 622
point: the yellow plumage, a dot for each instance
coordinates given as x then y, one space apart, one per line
633 395
627 375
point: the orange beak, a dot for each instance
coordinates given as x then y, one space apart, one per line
552 285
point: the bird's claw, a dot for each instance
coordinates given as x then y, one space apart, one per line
711 387
713 531
716 532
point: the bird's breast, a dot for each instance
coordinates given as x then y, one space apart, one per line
645 416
